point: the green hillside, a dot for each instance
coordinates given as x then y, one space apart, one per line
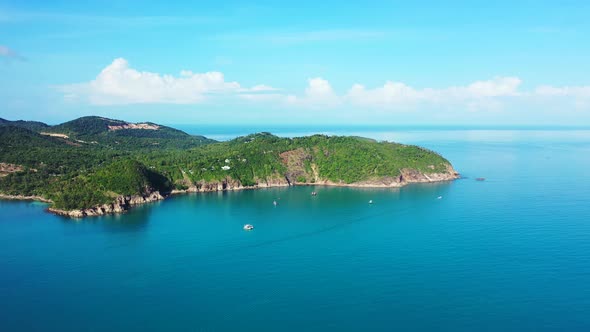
114 134
31 125
76 174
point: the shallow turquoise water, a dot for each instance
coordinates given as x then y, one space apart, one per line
511 253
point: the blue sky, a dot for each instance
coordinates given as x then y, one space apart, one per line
332 62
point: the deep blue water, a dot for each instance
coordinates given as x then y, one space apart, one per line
511 253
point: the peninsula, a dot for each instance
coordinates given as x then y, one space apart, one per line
94 166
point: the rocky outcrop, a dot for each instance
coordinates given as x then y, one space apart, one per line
121 204
407 176
296 161
413 176
230 184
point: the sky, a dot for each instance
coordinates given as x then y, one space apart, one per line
297 62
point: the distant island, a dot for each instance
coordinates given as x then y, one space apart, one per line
94 166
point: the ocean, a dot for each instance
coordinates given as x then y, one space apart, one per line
511 253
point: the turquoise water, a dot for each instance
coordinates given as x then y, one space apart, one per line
511 253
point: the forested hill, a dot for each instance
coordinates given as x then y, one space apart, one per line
94 161
115 134
31 125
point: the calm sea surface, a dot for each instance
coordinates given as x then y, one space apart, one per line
511 253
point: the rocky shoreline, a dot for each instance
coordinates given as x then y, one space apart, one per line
120 205
124 203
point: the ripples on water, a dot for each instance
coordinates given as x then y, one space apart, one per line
508 253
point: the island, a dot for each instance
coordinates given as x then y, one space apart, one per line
94 165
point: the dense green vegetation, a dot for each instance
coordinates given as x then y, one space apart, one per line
31 125
129 177
94 164
95 130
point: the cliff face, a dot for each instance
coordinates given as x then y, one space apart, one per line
301 169
231 184
407 176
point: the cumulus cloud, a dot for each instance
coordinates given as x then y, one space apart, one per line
8 53
397 94
118 83
318 93
497 87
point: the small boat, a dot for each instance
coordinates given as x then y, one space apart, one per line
313 193
248 227
370 201
275 203
480 179
439 197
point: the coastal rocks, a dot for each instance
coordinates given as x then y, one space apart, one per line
232 184
121 204
414 176
406 176
136 199
124 203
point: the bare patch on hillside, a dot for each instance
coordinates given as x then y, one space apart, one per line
64 136
145 126
6 169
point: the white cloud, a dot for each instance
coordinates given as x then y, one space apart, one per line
397 94
262 87
264 97
318 93
496 87
120 84
391 93
319 90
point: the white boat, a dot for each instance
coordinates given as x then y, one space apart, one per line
439 197
274 203
248 227
370 201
